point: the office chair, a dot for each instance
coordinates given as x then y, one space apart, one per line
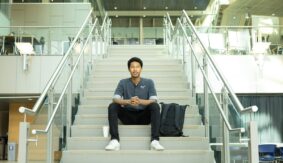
267 152
280 154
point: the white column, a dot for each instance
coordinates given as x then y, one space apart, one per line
23 142
253 143
141 30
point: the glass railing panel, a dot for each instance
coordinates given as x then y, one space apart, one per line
131 35
218 96
241 40
153 35
126 35
44 40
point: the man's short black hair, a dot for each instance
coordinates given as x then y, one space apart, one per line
134 59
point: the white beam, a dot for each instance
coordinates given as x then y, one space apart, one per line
152 13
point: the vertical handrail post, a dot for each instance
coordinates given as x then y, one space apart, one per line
225 132
49 145
253 143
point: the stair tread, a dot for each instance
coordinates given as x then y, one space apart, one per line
129 126
105 115
191 138
140 151
159 97
106 105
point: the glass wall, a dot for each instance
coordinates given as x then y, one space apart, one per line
242 40
44 40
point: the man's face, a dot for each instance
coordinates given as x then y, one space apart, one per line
135 69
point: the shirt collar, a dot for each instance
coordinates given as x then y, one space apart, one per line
141 82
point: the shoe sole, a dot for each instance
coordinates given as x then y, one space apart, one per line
112 149
154 149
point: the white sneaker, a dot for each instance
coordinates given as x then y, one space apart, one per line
156 146
113 145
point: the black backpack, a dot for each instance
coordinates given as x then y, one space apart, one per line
172 119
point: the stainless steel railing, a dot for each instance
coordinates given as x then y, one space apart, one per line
184 43
66 84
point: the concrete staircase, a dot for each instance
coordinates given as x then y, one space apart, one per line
86 145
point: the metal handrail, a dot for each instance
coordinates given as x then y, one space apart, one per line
233 96
239 106
208 83
42 97
104 21
66 85
34 131
170 22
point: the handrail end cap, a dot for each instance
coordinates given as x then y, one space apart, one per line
254 108
22 109
33 131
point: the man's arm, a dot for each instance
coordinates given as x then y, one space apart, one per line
121 101
146 102
137 101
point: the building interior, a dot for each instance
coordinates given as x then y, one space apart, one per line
60 59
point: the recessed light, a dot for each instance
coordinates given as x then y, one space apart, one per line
234 17
116 16
273 14
115 7
144 16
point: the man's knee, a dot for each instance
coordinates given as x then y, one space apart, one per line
113 107
154 107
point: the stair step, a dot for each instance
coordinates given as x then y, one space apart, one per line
90 109
146 70
160 83
156 80
93 101
137 48
185 92
123 66
138 143
114 62
132 130
102 119
169 89
144 73
126 75
106 105
138 156
157 86
127 56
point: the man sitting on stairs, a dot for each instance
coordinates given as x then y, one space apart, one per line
134 103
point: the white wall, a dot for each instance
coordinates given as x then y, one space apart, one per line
48 14
14 80
246 74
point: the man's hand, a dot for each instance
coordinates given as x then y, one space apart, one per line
135 101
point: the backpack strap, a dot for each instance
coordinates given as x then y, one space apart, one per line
177 113
165 109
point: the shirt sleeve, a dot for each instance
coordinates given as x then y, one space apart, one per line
152 91
119 92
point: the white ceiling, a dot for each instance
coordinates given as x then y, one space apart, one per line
256 7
